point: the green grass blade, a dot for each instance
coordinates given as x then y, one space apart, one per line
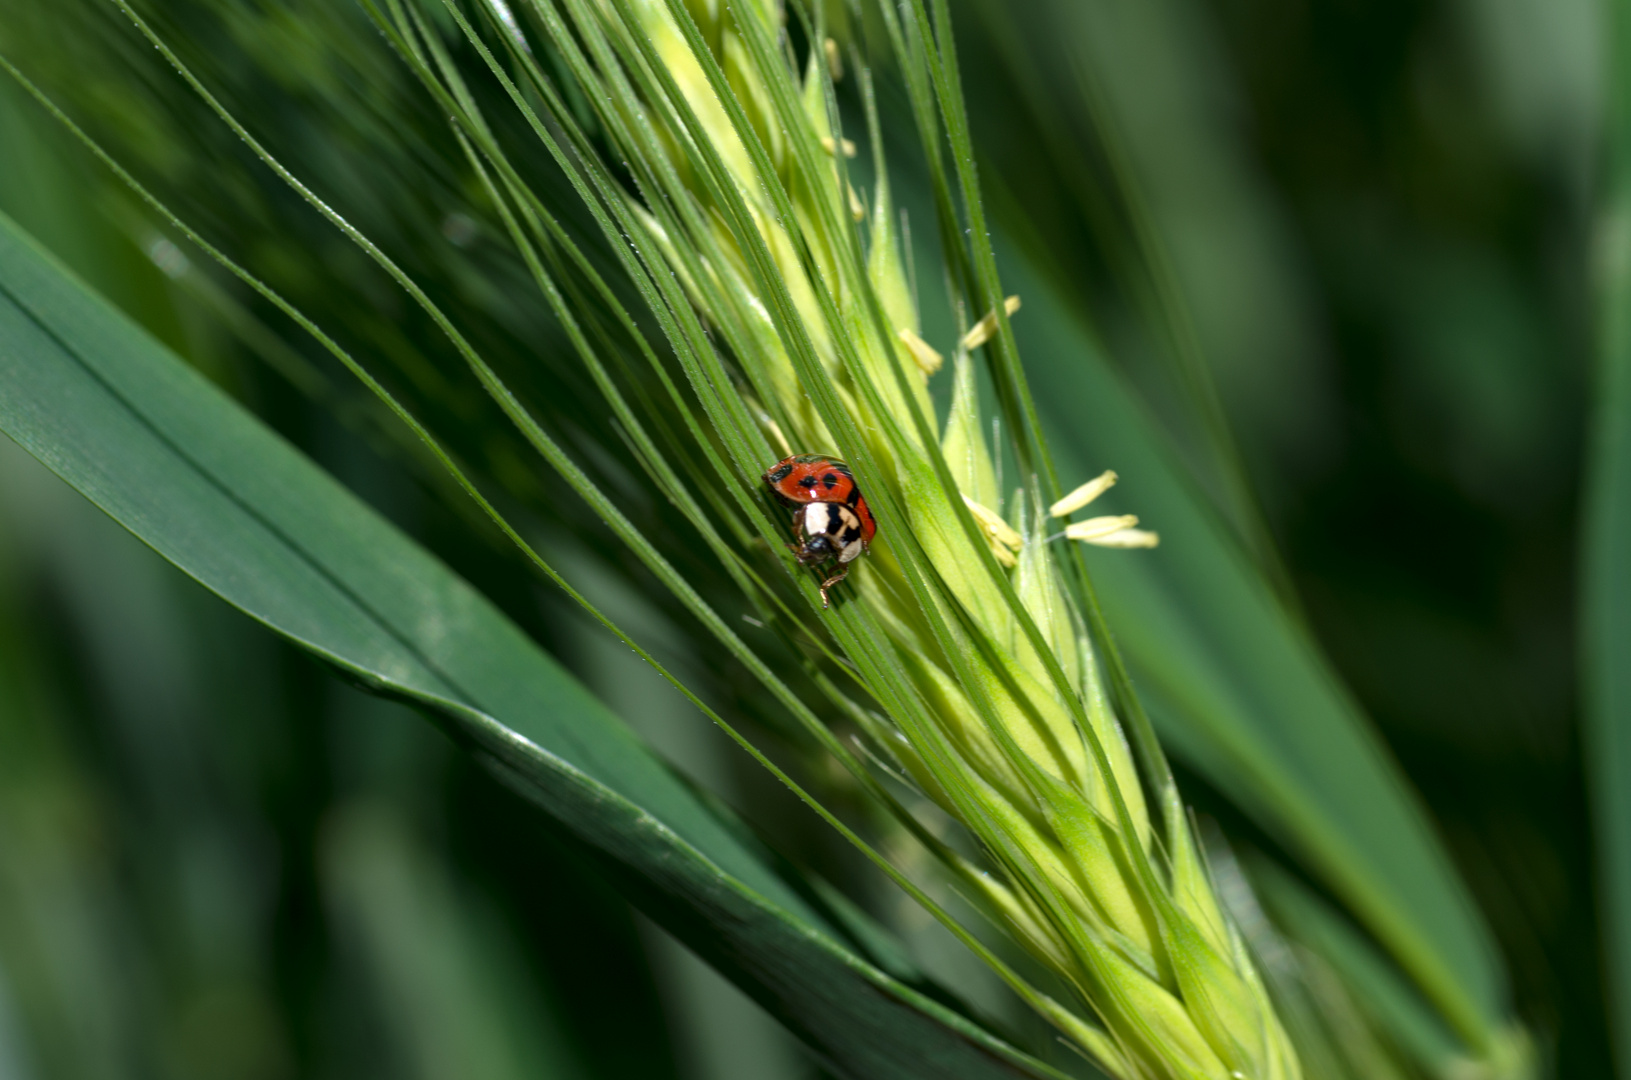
1125 226
1605 584
1244 696
203 483
1390 1001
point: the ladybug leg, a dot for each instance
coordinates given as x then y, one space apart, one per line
798 531
843 571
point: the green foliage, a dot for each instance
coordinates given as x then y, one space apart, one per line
721 284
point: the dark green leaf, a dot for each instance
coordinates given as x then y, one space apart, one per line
208 487
1391 1003
1605 586
1241 692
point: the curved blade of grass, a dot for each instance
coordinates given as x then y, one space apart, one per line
1605 583
183 467
1243 696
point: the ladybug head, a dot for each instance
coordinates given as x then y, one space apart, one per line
819 547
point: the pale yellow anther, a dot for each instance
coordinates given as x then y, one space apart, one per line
835 61
928 360
1083 495
856 210
1001 534
1093 529
986 328
831 147
1127 538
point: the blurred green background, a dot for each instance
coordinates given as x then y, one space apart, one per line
216 860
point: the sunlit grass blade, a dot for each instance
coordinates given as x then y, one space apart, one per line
826 257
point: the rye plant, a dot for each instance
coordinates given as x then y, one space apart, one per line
748 291
965 624
781 286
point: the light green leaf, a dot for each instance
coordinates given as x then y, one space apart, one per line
207 486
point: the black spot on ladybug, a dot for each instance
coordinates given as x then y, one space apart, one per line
831 480
853 497
807 481
778 474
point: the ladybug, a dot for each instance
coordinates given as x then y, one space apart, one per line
832 519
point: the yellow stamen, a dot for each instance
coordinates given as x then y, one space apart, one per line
1001 534
1083 495
835 62
1093 529
928 361
986 328
1127 538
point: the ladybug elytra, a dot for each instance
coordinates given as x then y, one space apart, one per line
832 519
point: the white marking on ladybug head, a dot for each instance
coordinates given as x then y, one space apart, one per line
818 519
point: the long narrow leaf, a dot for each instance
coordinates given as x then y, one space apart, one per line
1605 586
1246 699
207 486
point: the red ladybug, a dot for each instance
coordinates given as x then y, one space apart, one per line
832 520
